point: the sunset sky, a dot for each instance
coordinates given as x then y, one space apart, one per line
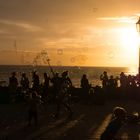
71 32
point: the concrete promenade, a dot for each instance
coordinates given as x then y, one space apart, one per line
87 122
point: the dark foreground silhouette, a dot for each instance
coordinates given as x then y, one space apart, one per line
90 109
87 122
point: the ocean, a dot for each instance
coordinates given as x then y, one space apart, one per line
75 72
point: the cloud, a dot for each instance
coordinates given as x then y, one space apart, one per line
27 26
137 14
4 31
131 19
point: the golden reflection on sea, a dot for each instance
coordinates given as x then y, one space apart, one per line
132 71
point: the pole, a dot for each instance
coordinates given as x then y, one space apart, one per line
139 64
139 55
50 67
45 54
138 29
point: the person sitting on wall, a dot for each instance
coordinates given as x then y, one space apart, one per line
118 118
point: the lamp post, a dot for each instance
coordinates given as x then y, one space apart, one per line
138 29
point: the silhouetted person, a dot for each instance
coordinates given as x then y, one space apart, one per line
104 78
46 80
84 82
24 82
33 109
66 78
63 94
56 81
13 85
131 81
85 87
116 81
123 80
119 117
137 80
35 80
46 85
111 82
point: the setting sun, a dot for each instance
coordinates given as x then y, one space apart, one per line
129 41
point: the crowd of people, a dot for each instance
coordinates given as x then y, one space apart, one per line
60 83
38 93
111 84
60 89
125 80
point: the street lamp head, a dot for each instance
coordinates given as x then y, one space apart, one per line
138 25
138 22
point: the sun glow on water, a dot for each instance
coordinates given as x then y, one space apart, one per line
132 71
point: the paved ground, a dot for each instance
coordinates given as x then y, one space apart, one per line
87 122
